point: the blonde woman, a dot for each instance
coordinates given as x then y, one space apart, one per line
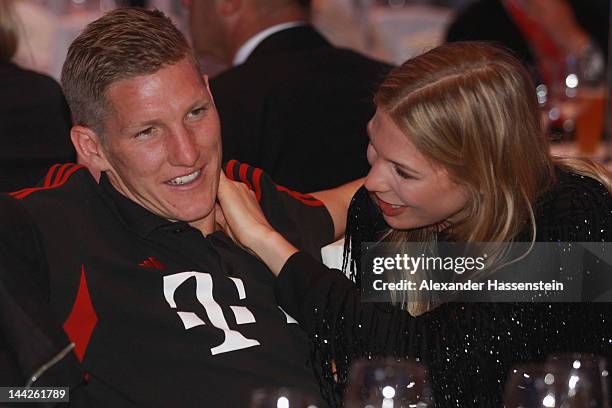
457 154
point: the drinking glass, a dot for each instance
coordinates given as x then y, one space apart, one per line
388 383
531 386
564 381
583 380
591 102
283 397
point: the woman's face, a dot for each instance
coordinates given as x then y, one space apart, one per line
410 191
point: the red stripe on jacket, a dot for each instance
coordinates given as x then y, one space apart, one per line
49 174
255 183
62 176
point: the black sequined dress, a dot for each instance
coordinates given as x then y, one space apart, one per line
468 347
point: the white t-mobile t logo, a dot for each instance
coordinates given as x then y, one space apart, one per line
234 340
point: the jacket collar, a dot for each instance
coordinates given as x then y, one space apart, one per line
133 215
291 40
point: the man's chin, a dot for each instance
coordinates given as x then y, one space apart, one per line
202 220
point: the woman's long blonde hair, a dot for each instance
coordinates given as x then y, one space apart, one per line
471 108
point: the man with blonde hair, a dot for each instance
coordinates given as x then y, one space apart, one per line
162 308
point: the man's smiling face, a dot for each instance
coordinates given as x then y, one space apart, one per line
162 142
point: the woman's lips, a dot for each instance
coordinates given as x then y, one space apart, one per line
388 209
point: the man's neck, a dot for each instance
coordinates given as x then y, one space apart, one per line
206 225
248 47
250 25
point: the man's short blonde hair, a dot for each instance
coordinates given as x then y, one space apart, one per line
123 44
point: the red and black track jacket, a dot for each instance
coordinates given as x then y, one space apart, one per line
160 315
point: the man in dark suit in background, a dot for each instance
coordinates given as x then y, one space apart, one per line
34 117
292 103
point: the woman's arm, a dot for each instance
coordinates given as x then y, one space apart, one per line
326 304
303 283
249 226
337 201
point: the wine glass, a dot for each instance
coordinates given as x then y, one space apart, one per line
283 397
584 380
564 381
388 383
531 386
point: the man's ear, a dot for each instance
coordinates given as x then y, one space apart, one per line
227 8
88 146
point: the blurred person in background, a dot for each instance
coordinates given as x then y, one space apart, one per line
34 117
458 155
571 27
292 103
133 3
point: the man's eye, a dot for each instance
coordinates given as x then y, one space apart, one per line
144 133
196 113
